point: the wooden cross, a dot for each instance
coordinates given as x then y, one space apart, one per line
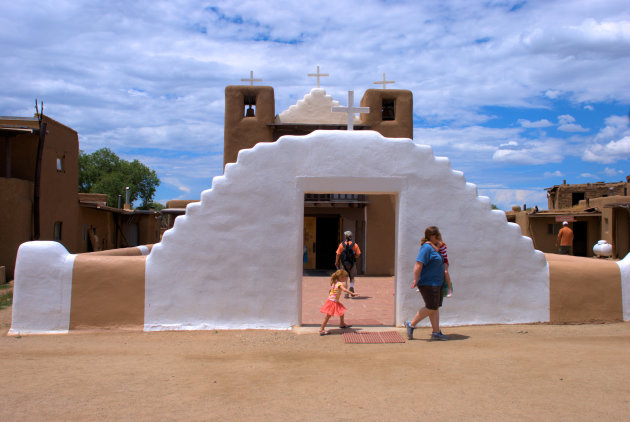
317 75
351 110
251 79
384 82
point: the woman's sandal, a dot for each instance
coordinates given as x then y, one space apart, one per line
345 326
324 333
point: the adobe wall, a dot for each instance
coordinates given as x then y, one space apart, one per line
563 196
148 228
59 189
100 299
584 290
16 224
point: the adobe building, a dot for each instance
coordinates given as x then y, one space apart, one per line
38 184
594 211
250 118
39 197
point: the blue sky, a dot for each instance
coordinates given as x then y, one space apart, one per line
520 95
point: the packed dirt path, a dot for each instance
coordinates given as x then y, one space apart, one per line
514 372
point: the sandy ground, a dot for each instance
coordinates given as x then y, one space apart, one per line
524 372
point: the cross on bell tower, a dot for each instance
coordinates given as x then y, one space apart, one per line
317 75
251 79
384 82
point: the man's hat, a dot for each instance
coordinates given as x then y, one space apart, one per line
348 233
564 223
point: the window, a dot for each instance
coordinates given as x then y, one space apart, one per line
576 197
57 231
553 228
606 224
250 105
59 163
388 110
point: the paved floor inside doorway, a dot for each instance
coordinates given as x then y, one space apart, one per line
375 306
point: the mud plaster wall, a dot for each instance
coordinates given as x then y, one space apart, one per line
16 224
107 291
584 290
246 234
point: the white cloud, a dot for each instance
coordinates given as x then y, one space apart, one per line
589 108
572 128
588 176
566 124
552 94
537 124
612 172
532 152
506 198
148 77
610 152
611 144
556 173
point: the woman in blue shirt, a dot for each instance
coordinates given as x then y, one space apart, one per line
428 276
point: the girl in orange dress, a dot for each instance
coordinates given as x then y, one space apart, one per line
333 307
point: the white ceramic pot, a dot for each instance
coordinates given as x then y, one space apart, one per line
602 248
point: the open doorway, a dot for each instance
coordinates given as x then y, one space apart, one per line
372 220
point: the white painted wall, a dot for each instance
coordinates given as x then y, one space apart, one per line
235 259
624 268
315 108
42 289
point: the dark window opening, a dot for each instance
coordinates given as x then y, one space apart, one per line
250 105
60 164
389 110
57 231
553 228
576 197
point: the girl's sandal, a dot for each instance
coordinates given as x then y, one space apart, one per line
324 333
345 326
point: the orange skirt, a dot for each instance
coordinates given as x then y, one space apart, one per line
333 308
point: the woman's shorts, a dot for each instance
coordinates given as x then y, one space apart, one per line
432 296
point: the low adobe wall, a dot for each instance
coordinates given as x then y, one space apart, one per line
257 209
63 292
56 291
584 290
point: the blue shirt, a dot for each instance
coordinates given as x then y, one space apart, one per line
432 273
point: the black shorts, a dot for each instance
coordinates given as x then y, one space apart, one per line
432 296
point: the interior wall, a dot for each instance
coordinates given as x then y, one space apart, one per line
381 239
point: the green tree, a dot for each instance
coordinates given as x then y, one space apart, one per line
105 172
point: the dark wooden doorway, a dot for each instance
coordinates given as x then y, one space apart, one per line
327 238
579 238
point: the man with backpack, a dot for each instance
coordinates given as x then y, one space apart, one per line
348 253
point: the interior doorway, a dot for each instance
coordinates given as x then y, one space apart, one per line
372 220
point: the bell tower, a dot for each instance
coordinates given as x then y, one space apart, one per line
391 112
249 112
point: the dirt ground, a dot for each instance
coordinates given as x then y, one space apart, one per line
514 372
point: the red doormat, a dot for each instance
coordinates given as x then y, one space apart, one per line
375 337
